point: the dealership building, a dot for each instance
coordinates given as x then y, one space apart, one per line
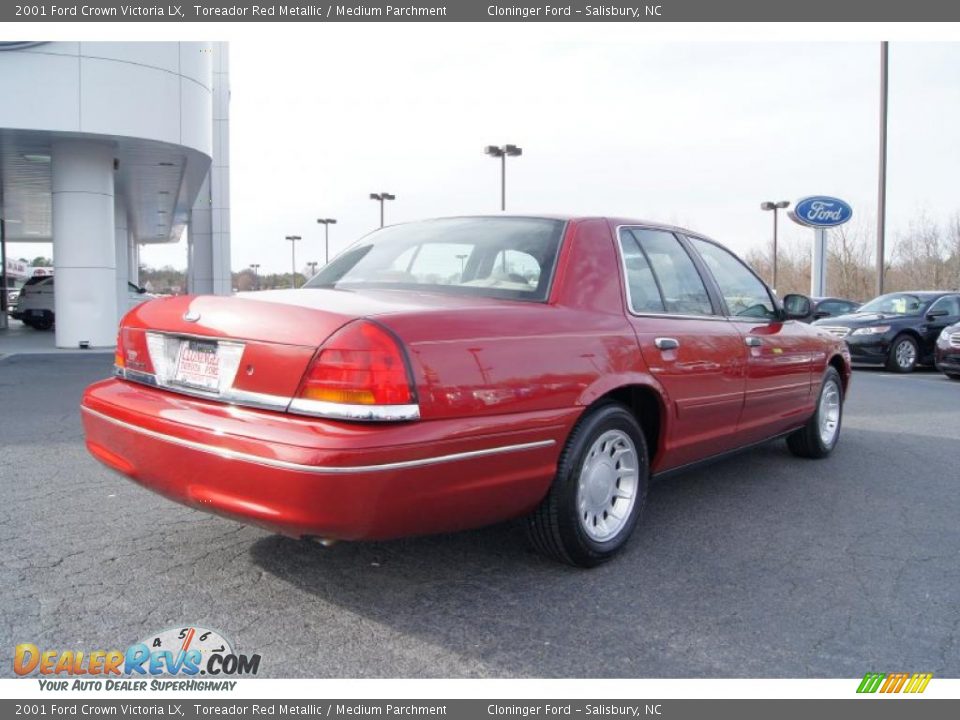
106 147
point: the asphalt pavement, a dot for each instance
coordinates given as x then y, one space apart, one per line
762 565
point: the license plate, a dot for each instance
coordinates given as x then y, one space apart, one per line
198 365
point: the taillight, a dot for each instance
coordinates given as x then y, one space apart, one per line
360 373
119 361
131 359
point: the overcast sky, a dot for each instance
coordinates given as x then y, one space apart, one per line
692 133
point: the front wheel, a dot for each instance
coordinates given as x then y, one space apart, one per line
903 355
599 490
819 436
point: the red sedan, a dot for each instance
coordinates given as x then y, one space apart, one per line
451 373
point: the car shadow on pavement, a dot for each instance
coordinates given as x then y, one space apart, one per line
749 567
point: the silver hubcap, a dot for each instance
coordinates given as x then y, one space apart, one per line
829 412
906 355
608 484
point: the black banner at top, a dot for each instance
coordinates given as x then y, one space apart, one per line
485 11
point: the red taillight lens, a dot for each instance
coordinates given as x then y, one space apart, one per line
361 364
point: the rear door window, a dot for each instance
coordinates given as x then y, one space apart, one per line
659 268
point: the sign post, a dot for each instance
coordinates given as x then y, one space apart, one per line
820 212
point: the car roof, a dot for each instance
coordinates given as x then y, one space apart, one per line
924 293
613 220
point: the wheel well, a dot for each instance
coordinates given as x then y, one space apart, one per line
836 362
646 406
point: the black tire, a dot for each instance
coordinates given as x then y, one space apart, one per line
952 376
555 528
807 442
44 322
894 363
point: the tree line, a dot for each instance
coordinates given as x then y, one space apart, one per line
926 256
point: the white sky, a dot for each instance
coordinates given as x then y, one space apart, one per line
694 133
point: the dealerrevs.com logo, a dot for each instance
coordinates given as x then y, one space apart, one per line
185 652
887 683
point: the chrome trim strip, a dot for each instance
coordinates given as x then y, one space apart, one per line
317 469
338 411
232 396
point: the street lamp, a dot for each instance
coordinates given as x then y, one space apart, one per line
463 264
256 274
502 153
327 222
381 197
313 267
775 206
293 256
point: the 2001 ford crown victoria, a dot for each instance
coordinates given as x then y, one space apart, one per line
451 373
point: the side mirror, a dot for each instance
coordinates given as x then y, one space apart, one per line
796 306
936 313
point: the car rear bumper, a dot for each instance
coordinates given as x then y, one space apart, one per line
310 477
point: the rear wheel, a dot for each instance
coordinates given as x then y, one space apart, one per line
903 354
598 493
44 322
819 436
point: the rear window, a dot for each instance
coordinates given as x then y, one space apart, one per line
511 258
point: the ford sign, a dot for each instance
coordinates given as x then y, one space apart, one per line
822 211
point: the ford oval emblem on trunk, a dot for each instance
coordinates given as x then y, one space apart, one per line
822 211
191 316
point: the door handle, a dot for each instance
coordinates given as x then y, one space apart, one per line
753 341
666 343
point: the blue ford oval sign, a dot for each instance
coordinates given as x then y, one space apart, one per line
822 211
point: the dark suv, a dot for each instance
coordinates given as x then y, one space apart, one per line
898 330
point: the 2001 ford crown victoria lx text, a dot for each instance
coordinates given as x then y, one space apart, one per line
451 373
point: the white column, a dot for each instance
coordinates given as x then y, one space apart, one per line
200 244
818 263
220 171
121 242
85 299
133 259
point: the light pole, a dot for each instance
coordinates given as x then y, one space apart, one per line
313 267
882 183
381 197
256 274
775 206
327 222
502 153
293 256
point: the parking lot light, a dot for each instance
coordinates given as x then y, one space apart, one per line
293 256
496 151
327 222
775 206
381 197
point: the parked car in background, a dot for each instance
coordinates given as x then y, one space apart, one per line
897 330
448 374
822 307
35 304
948 351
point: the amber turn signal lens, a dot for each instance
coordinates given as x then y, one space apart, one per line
360 364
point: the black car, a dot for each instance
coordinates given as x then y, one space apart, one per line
948 352
823 307
898 330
